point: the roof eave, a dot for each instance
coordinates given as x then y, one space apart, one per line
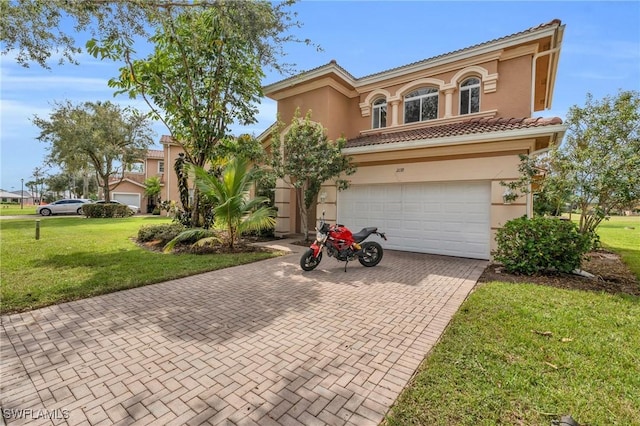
331 68
557 131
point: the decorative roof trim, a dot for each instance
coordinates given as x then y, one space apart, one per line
313 85
267 132
330 68
115 184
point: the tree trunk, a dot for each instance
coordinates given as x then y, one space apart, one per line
195 208
302 211
85 185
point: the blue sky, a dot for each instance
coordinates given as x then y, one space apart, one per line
600 54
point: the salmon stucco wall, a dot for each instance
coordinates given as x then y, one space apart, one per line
463 169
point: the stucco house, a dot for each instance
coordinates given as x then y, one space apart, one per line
131 189
432 140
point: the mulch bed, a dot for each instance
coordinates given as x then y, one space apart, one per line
241 247
611 276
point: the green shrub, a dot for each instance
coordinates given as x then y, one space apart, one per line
528 246
106 210
163 233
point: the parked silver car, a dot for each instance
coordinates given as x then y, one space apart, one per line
62 206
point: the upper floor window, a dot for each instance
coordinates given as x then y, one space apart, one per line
380 113
421 105
470 96
136 168
161 167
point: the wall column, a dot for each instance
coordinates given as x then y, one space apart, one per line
448 103
394 112
282 203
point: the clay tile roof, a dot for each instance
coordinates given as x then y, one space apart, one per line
155 153
166 139
333 62
473 126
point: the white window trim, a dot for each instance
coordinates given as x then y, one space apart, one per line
377 112
160 172
468 88
435 94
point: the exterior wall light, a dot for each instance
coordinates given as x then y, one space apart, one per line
323 196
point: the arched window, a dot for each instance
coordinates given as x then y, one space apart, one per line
421 105
379 113
470 96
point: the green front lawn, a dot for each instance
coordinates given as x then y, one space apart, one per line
622 235
78 257
15 210
528 354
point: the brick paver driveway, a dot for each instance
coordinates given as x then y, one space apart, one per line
257 344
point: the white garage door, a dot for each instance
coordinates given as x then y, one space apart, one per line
129 199
449 218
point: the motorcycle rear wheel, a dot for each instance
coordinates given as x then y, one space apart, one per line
308 261
371 254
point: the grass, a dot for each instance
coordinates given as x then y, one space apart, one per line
496 364
622 235
15 210
77 258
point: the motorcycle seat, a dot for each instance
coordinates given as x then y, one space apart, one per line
364 233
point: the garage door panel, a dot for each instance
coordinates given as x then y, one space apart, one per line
450 218
124 198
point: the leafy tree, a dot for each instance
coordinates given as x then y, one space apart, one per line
39 176
538 176
33 28
596 167
204 75
304 158
600 158
58 183
74 182
102 135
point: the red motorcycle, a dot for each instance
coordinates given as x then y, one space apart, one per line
342 244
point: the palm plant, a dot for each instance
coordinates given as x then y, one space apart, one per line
152 189
235 211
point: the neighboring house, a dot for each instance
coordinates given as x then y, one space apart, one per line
432 140
131 189
11 197
26 195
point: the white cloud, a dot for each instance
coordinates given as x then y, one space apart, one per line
13 82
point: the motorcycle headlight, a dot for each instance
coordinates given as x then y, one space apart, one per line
321 237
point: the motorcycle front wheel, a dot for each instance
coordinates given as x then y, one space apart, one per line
308 261
371 254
